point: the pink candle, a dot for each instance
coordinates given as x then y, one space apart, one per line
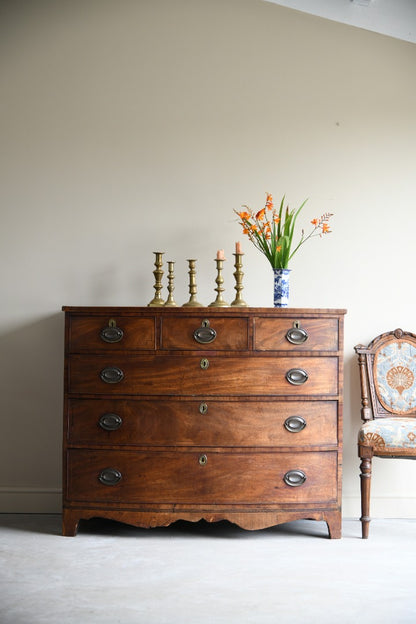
238 249
220 254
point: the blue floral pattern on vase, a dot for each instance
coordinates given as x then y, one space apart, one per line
281 288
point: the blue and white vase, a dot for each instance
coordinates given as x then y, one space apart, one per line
281 288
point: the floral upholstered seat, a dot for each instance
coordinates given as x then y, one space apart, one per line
388 395
387 435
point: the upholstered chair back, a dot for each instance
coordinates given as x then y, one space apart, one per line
390 375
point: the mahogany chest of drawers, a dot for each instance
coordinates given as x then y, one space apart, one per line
202 413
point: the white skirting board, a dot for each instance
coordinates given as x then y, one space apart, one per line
381 507
49 500
30 500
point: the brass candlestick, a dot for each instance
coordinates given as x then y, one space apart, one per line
238 274
170 301
157 300
192 286
219 301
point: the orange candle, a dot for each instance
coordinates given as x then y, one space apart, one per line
238 249
220 254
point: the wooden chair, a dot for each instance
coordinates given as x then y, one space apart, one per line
388 394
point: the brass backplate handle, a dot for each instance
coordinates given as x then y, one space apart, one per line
296 334
111 333
294 424
205 334
297 376
110 476
112 375
110 422
294 478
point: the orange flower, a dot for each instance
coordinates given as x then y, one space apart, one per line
262 230
244 215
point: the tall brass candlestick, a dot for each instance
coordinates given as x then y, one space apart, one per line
219 301
193 302
157 300
170 301
238 274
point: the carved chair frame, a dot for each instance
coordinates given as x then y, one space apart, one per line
372 408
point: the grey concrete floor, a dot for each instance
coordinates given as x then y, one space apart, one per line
205 574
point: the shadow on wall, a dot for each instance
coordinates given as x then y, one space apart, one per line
352 422
31 386
352 393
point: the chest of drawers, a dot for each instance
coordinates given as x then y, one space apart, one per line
204 413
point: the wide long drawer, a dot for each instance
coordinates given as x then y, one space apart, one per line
209 423
201 478
212 376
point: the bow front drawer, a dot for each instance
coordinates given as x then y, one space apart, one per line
201 477
294 334
111 333
213 376
204 333
205 422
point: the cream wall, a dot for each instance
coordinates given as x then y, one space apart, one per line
134 126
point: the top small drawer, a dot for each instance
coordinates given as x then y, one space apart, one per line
101 333
296 334
204 333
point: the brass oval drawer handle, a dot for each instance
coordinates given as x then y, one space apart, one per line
110 422
203 408
294 478
205 334
110 476
204 363
297 376
203 460
294 424
112 374
112 333
296 335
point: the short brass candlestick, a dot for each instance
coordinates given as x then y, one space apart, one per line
238 274
193 302
170 301
219 301
157 300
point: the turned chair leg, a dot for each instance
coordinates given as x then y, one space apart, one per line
365 477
